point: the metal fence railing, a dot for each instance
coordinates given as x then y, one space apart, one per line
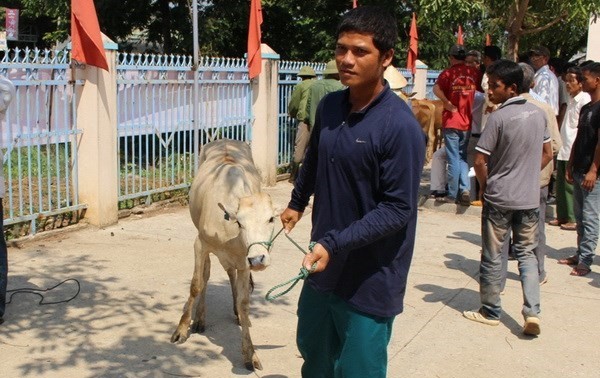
39 139
157 133
158 137
288 78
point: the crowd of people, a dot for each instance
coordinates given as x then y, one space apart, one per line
510 122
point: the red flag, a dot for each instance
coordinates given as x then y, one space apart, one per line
354 3
413 46
488 40
12 24
87 46
459 38
254 39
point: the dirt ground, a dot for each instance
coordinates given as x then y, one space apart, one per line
134 278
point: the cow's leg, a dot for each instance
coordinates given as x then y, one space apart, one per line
196 287
251 360
430 149
199 319
232 273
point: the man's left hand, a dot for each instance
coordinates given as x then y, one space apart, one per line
589 181
318 255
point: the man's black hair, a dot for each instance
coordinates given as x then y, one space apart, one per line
493 52
593 68
577 72
373 20
507 71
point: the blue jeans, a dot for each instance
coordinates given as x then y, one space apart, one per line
456 142
587 210
539 251
3 263
495 226
337 341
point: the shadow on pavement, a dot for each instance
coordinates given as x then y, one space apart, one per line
104 325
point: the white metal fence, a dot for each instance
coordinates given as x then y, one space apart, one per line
39 140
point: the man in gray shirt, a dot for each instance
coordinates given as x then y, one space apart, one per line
513 148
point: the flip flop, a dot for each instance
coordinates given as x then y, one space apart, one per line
580 271
569 226
573 260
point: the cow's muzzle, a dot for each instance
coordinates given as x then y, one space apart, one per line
257 262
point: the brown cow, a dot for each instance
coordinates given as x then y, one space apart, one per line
429 115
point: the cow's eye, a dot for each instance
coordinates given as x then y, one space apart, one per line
272 219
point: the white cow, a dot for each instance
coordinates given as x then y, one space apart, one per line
234 218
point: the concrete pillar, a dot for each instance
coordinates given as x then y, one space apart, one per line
593 43
265 108
420 80
97 153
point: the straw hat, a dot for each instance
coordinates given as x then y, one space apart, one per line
394 78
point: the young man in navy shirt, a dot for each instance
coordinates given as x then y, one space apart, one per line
363 165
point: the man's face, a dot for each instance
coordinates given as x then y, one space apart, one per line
538 61
498 92
472 61
358 61
573 85
590 82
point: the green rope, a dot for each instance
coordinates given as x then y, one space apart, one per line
266 244
292 282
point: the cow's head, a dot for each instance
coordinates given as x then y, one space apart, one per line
256 219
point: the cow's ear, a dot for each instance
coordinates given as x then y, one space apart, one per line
227 215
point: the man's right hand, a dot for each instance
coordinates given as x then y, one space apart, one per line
449 106
569 175
289 218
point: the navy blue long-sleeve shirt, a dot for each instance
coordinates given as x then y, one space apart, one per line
364 170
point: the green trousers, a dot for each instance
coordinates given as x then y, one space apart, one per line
337 341
564 194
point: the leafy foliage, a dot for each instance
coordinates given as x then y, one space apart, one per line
305 30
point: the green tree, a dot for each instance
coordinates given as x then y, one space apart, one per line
557 23
305 30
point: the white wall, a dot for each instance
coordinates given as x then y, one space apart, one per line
593 44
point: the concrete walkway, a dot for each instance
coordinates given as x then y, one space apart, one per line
135 277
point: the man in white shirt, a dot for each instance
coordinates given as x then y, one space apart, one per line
546 83
565 215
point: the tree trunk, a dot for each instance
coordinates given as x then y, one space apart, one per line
518 9
513 46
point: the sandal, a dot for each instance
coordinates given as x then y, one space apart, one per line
580 270
556 222
569 226
573 260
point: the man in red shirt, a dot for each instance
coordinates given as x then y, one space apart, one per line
456 88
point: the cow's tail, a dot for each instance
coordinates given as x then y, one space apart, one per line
251 283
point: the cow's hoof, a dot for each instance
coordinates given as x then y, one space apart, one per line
179 337
197 328
254 365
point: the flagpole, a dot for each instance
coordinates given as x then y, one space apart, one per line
196 87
